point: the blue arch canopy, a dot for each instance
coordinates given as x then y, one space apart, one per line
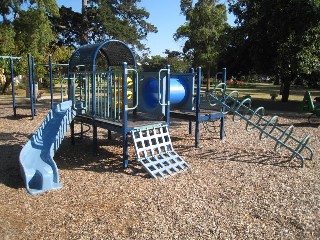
114 52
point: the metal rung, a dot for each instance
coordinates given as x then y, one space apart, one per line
155 152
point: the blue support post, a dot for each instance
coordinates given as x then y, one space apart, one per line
51 81
94 104
125 116
13 89
197 128
69 84
34 94
224 73
30 85
190 121
167 100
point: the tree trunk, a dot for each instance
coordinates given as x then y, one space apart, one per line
208 77
285 88
85 21
6 85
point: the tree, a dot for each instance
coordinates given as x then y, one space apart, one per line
177 61
274 36
153 63
10 7
206 22
29 30
101 20
33 33
7 34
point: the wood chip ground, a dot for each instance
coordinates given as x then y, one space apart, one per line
237 188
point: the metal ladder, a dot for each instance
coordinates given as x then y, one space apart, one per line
155 151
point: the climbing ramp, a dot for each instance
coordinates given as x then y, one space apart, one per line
38 169
255 119
155 152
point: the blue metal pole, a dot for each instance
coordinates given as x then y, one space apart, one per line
224 73
34 94
30 85
197 127
190 121
69 84
125 116
13 89
94 126
51 81
167 100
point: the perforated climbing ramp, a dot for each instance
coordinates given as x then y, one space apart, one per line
155 152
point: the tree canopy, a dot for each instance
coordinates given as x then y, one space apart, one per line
41 28
205 24
278 37
101 20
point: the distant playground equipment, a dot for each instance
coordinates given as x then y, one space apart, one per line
33 84
309 106
255 119
12 76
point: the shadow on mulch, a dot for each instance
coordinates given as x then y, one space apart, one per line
17 117
9 162
69 157
107 158
267 159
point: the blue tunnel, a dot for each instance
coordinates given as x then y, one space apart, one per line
179 92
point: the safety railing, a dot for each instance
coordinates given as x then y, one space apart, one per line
107 87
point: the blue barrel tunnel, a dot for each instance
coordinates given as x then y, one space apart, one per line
179 92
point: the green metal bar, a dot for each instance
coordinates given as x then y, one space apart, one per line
262 124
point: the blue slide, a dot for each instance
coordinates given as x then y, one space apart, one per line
38 169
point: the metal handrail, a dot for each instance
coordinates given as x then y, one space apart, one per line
136 88
159 87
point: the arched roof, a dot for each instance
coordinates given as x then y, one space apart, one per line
114 51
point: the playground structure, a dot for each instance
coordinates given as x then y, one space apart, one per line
309 106
255 119
100 98
97 93
105 90
12 76
33 83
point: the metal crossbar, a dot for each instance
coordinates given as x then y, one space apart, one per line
155 152
255 119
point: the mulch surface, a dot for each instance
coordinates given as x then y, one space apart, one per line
236 188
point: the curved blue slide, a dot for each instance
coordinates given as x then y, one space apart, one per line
38 169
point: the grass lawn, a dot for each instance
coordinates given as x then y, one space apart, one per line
262 91
260 95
